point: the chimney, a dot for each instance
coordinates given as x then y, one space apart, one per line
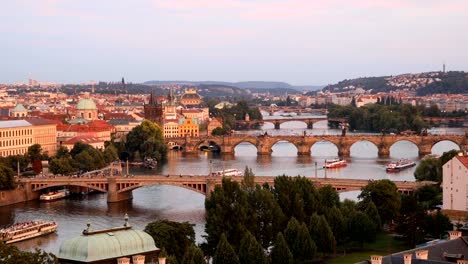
454 234
422 254
123 261
376 259
407 258
138 259
162 260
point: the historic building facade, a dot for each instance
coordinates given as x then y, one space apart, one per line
17 135
153 110
455 183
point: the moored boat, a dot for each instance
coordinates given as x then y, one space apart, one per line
399 165
335 163
51 196
228 172
22 231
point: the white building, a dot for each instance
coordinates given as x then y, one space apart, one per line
455 183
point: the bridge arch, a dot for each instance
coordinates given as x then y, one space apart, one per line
195 187
438 146
98 187
411 149
322 148
288 152
368 148
246 147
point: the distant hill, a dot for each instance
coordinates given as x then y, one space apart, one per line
455 82
242 85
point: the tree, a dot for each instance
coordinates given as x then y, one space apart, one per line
280 254
226 213
35 156
248 182
446 156
265 218
110 153
385 196
429 169
61 166
219 131
175 237
224 253
10 254
410 222
360 228
7 178
62 152
298 238
193 255
373 214
147 138
437 224
328 196
250 251
337 224
321 234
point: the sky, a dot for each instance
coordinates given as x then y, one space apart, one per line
302 42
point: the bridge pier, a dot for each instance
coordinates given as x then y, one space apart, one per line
384 152
277 125
112 193
424 149
210 186
303 150
310 125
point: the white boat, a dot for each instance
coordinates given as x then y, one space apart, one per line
22 231
399 165
51 196
335 163
228 172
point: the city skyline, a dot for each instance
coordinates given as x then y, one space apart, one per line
296 41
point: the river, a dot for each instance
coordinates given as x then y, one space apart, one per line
178 204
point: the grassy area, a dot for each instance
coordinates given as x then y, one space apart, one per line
383 245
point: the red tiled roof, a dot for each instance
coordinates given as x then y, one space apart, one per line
464 160
83 139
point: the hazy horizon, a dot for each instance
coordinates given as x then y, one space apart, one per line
300 42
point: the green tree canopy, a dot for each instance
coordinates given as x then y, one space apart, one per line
10 254
429 169
360 228
193 255
147 139
225 254
385 196
250 251
173 236
226 213
7 178
280 254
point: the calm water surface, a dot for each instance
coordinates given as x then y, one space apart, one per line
178 204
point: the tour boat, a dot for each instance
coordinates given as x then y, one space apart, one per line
335 163
399 165
51 196
228 172
22 231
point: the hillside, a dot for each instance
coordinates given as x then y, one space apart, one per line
242 85
455 82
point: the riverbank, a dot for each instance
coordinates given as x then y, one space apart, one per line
19 195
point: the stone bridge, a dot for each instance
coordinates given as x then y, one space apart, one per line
264 143
120 188
309 121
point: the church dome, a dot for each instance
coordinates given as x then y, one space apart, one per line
108 244
86 104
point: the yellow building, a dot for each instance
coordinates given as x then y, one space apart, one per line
17 135
189 127
190 98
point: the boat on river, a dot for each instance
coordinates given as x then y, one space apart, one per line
26 230
399 165
52 196
335 163
228 173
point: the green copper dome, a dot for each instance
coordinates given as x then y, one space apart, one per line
86 104
106 245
